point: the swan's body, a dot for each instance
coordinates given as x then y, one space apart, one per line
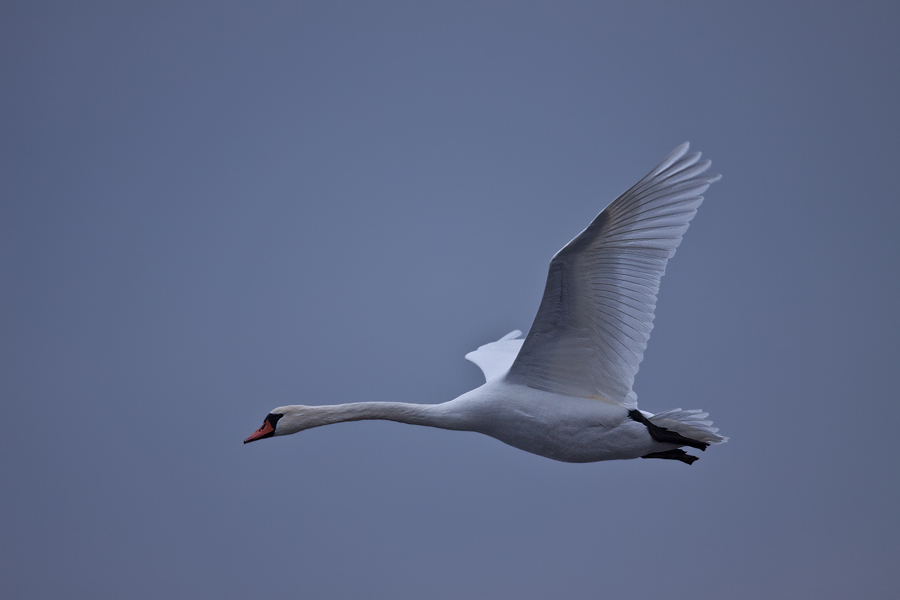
564 391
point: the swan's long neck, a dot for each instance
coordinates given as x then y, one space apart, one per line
448 415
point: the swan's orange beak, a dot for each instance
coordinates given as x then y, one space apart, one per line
267 430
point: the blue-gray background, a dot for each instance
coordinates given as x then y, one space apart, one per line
211 209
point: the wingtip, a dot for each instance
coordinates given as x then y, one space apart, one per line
673 157
679 152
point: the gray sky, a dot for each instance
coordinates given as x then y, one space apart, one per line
211 209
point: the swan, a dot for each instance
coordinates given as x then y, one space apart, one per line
564 391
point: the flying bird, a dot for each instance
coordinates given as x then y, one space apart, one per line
564 391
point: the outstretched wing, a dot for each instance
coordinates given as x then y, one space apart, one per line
494 359
592 327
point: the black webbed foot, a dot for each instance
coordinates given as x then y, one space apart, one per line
676 454
666 436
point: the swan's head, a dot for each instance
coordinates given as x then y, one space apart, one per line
283 420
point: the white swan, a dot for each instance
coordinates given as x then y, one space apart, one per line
564 391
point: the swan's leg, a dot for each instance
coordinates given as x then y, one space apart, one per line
677 454
666 436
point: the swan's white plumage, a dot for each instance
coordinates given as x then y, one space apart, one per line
565 391
592 327
496 358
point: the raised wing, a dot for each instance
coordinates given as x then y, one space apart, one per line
494 359
592 327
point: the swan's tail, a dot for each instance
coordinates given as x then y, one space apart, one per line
689 423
